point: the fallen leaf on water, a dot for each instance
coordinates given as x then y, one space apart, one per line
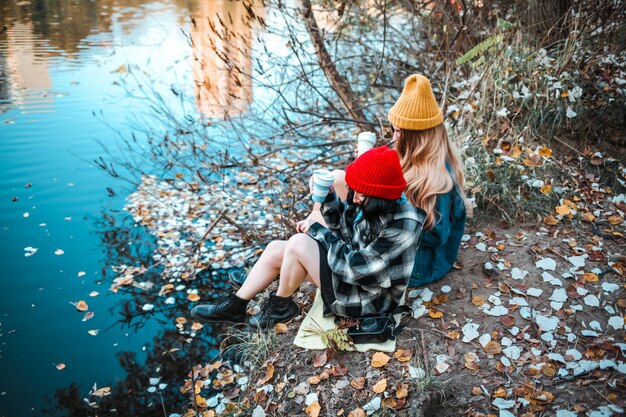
81 273
102 392
94 294
81 305
380 386
379 360
319 359
313 410
59 252
88 315
93 332
403 355
59 366
280 328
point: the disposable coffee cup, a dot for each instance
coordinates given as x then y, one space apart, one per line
322 181
365 142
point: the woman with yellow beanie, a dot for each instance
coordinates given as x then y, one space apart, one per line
433 171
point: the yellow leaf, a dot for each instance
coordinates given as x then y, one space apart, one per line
380 386
181 320
102 392
403 355
500 392
615 220
435 314
313 410
196 326
82 306
550 220
545 152
193 297
379 360
477 300
280 328
563 210
590 277
60 366
546 189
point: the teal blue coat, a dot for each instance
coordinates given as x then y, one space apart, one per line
439 247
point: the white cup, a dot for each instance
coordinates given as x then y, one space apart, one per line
365 142
322 181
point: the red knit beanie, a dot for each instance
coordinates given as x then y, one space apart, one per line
377 173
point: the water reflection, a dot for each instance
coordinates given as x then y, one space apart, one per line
221 38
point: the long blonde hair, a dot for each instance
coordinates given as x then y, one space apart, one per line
423 157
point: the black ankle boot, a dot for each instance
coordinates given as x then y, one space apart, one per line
231 309
276 309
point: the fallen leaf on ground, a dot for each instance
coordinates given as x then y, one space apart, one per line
313 410
280 328
357 412
193 297
319 359
402 391
403 355
358 383
380 386
269 374
493 348
379 360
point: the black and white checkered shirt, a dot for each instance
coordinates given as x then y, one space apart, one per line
369 276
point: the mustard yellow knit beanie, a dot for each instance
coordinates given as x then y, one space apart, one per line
416 108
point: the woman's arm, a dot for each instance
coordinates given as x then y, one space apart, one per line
363 267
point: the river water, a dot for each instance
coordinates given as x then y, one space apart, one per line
62 68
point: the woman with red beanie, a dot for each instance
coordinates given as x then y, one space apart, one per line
360 252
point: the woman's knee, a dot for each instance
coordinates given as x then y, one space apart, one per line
300 245
274 251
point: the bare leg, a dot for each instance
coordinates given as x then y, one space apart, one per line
301 262
340 185
264 271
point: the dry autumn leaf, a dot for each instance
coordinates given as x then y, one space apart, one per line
477 300
403 355
476 391
196 326
380 386
500 392
379 360
472 366
545 152
313 410
551 220
590 277
546 189
269 374
193 297
319 359
454 335
433 313
314 380
280 328
493 348
402 391
389 402
357 412
59 366
88 315
358 383
81 306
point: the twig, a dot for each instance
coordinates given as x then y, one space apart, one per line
424 351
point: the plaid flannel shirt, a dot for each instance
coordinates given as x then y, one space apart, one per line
368 276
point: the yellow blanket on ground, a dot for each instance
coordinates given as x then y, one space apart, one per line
315 318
